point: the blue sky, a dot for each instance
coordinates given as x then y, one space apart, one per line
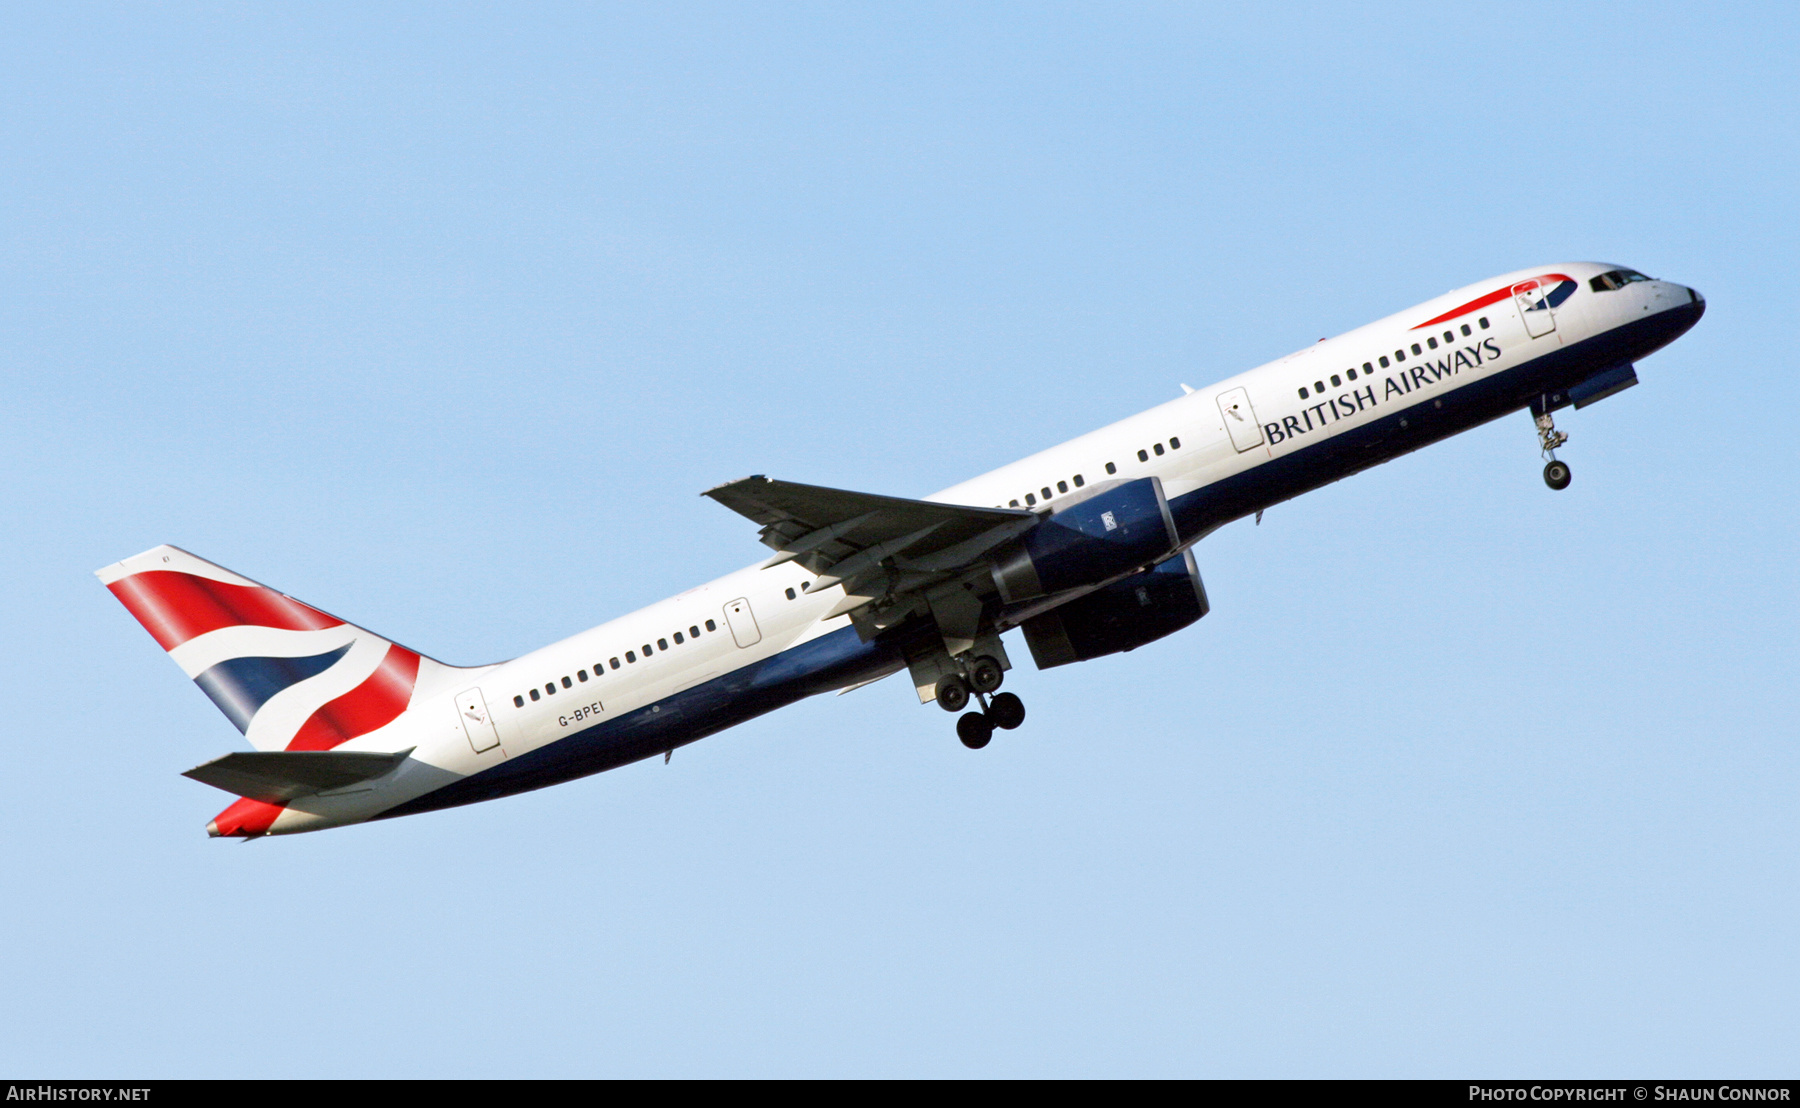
440 317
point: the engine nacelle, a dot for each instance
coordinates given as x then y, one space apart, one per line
1122 616
1109 533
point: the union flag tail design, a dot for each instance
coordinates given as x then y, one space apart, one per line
288 675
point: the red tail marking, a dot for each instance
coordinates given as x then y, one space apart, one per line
175 607
246 818
372 704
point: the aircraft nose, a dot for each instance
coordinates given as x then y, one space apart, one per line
1697 301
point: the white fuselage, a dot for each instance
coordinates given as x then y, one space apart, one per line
756 615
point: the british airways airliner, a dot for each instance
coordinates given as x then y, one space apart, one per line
1085 548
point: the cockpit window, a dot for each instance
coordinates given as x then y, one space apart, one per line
1617 279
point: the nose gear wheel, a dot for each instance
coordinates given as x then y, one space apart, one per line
1556 473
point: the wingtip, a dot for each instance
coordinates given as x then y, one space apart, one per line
733 484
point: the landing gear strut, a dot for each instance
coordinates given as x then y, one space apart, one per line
1005 711
1002 710
1556 473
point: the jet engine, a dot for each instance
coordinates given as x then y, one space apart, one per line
1122 616
1114 531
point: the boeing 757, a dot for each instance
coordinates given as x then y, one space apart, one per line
1085 548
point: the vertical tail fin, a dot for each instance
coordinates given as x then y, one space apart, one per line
290 676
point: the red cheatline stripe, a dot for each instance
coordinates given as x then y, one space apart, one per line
175 607
1491 298
374 703
247 817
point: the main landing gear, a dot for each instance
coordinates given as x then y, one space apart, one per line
1002 710
1556 473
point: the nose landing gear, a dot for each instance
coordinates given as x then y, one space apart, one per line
1556 473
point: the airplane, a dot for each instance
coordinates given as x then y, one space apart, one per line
1086 548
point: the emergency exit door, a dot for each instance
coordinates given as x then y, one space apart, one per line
1240 419
742 622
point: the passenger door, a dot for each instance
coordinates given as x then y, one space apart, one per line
471 708
1532 299
1240 419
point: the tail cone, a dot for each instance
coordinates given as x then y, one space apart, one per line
245 819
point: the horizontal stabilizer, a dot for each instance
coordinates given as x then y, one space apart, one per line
278 776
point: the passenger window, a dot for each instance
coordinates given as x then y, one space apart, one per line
1416 350
518 702
662 644
534 695
1384 361
568 684
1078 481
791 594
613 662
1319 387
1303 393
1350 373
1110 468
1465 330
630 656
1431 342
1399 355
550 689
647 652
1174 444
1062 486
1030 499
1158 448
1046 491
693 632
1012 503
581 675
711 626
1449 338
1143 455
1483 322
1336 380
1367 368
678 639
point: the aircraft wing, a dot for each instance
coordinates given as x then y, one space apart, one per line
876 547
